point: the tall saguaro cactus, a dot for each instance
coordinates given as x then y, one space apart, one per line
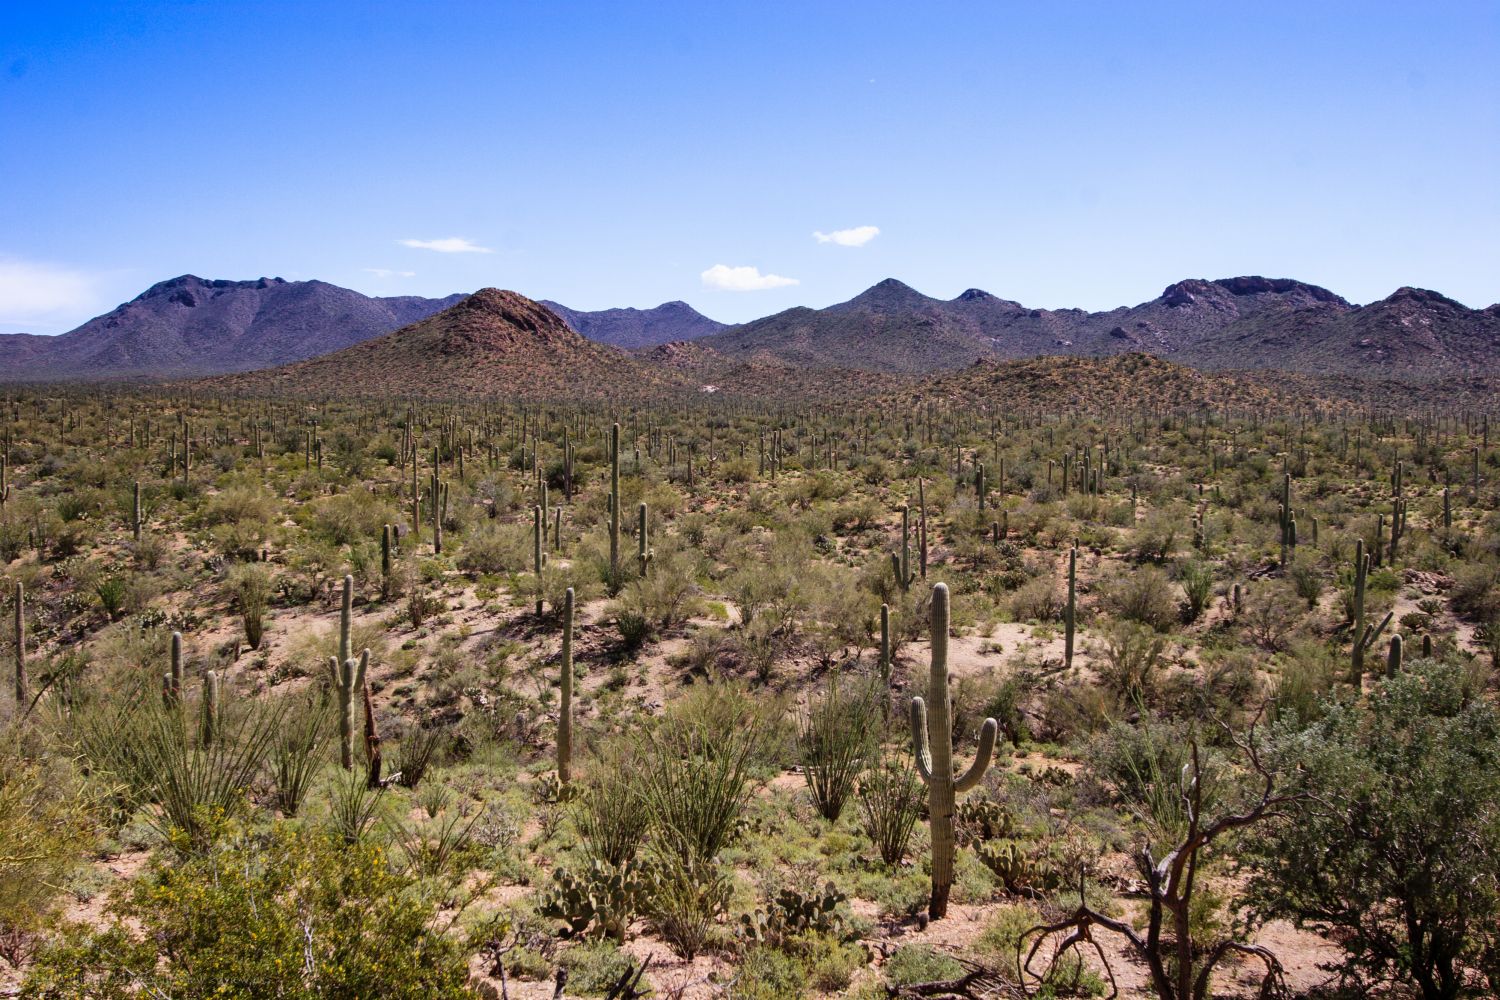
1070 613
348 676
614 505
23 688
171 682
934 754
565 685
643 539
885 661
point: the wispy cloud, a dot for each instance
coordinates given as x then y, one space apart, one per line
856 237
450 244
41 293
385 272
742 279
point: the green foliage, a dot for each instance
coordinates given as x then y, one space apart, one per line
836 736
1396 842
291 913
890 799
48 825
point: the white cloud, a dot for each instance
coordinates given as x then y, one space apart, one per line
742 279
856 237
38 292
385 272
451 244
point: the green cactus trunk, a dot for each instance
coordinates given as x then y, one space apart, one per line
885 660
23 686
210 728
643 544
538 557
934 756
1361 568
565 711
1070 613
614 506
348 676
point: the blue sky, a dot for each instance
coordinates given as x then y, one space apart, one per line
604 154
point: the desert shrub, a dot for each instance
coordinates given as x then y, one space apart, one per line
1305 676
1039 600
47 827
1156 537
1132 657
1271 613
1476 591
496 548
291 913
1149 765
920 963
1394 841
347 517
1143 595
1307 582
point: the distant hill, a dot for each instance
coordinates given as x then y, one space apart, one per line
493 344
1138 382
1246 322
634 329
192 326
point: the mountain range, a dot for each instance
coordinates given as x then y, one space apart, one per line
1246 323
190 326
501 345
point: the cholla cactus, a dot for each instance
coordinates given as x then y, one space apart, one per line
934 754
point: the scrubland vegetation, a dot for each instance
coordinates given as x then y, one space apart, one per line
409 699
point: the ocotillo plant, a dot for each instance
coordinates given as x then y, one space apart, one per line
565 711
1070 613
934 755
